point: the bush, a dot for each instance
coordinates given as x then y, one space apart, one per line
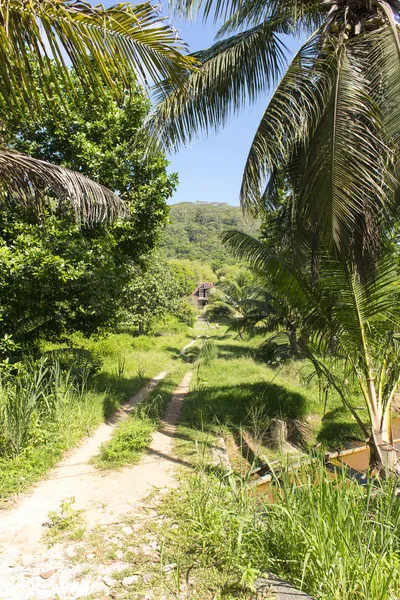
186 313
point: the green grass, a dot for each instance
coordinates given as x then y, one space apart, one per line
335 540
132 436
126 445
128 363
234 385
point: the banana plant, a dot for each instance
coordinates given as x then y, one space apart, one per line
350 327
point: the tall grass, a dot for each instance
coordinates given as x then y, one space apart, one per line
44 410
48 406
333 538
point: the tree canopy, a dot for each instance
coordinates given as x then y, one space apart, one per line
331 129
57 276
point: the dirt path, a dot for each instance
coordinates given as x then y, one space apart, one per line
105 498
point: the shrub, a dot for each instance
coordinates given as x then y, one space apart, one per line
186 313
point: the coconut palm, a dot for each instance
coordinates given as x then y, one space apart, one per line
345 320
106 46
331 129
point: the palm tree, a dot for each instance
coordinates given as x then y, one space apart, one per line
106 46
332 127
360 319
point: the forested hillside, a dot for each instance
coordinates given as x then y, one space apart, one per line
195 229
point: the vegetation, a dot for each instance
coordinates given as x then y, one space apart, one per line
106 47
335 540
330 537
322 276
235 386
195 229
126 445
326 152
345 319
83 274
48 407
329 133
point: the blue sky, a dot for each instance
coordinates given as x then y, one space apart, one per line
210 169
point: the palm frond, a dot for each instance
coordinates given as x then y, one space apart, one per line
290 118
230 11
305 17
346 177
30 180
339 304
232 71
323 128
104 46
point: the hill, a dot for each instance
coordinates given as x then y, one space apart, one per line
195 229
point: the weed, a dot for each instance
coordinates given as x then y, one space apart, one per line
121 367
130 438
65 522
141 373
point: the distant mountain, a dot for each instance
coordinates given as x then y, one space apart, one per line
195 231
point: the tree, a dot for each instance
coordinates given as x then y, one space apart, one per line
330 131
189 273
350 329
227 300
55 276
107 47
151 295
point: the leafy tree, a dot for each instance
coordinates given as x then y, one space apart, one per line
151 294
189 273
107 47
56 276
346 322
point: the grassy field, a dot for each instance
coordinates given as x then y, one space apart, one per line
52 417
332 538
235 390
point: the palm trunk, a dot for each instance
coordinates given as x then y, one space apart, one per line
383 455
292 332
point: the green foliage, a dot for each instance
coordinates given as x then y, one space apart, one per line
168 325
195 233
126 445
57 277
335 540
64 522
189 273
186 312
151 294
